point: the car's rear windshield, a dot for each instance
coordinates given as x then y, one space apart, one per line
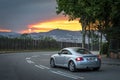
83 51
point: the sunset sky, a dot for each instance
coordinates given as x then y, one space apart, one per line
26 16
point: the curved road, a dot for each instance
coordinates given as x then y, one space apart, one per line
35 66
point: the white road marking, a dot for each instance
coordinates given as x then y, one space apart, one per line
29 61
28 58
39 67
36 56
67 75
42 67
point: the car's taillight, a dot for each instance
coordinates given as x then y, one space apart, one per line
79 59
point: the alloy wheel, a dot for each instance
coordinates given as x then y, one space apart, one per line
72 67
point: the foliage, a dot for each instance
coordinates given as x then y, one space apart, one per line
76 9
104 48
25 36
26 44
49 42
48 39
104 15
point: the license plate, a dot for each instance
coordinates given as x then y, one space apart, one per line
91 59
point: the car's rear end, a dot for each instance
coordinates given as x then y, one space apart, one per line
88 61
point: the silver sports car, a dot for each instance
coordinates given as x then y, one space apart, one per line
76 58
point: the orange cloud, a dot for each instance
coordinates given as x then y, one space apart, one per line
30 30
56 23
35 29
5 30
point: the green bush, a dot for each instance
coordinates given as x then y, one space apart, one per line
104 48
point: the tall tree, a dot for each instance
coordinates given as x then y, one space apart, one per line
76 9
104 13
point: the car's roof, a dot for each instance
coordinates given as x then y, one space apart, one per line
73 48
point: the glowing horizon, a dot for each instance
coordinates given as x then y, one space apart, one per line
54 24
45 26
5 30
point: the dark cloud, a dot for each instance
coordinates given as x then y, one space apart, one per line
17 14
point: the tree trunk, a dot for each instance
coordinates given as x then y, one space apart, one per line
83 22
88 41
100 43
83 36
83 39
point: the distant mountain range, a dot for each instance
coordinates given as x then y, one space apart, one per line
58 34
9 34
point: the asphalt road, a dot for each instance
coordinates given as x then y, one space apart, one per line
35 66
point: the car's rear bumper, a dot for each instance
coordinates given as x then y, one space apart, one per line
84 65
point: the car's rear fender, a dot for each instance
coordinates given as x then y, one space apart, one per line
71 59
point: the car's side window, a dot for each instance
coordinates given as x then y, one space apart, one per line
83 51
65 52
69 53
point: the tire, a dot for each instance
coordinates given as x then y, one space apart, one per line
52 63
72 66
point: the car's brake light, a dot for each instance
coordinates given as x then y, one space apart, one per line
79 59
